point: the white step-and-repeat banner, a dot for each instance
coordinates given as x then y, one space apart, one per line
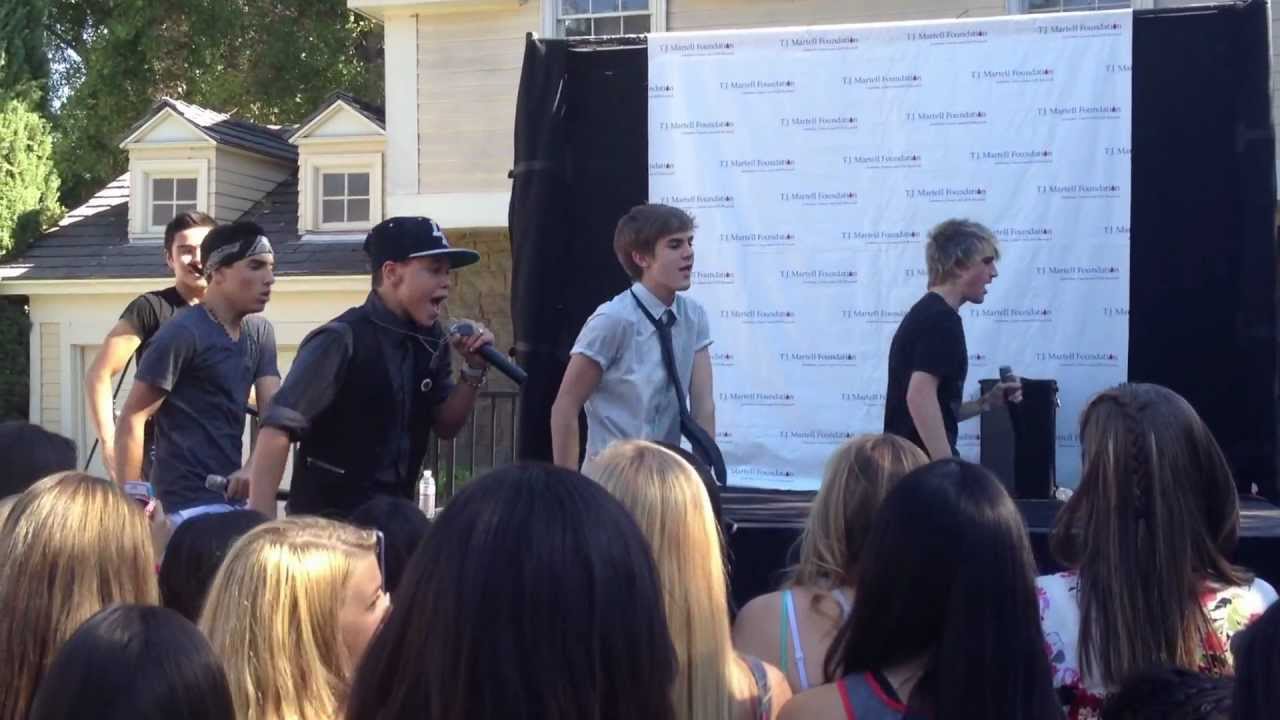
816 159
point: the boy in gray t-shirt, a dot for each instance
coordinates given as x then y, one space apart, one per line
196 377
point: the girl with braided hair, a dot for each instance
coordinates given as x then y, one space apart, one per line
1146 539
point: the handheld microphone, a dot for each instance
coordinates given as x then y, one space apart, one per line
491 354
216 483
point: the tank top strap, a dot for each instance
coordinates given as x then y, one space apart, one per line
864 698
762 704
846 604
802 674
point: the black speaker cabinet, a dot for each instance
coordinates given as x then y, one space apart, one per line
1019 441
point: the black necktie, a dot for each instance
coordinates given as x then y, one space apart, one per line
663 327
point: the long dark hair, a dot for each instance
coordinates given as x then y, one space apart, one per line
194 554
533 597
947 574
1152 522
135 662
1257 653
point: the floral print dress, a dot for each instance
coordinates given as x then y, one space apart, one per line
1230 610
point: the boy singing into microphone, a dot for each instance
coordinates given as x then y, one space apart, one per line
368 388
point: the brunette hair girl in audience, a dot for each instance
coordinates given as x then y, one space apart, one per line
945 624
131 662
1170 694
794 628
669 502
1146 537
1257 654
533 597
402 524
194 554
290 614
72 545
30 453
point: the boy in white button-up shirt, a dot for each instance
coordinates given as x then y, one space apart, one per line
616 368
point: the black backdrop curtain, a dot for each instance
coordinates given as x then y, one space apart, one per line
1202 292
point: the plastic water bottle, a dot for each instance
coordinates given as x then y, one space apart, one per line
427 494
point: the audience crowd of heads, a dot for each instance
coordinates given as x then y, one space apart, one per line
540 593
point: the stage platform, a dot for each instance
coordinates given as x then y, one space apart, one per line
763 525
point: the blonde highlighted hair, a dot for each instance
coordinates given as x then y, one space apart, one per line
670 504
272 617
955 244
71 545
857 477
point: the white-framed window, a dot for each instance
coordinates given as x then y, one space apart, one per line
170 196
340 192
587 18
1053 6
344 197
161 189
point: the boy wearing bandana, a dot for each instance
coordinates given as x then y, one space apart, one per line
195 379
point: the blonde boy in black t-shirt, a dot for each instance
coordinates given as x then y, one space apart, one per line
928 359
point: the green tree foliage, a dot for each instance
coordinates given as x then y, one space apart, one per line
15 335
271 61
28 183
24 64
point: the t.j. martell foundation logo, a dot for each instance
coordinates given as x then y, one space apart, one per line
1079 28
699 47
697 201
714 277
759 239
759 165
865 399
697 127
661 90
884 81
825 276
759 316
820 197
1020 234
1013 315
873 316
948 37
884 161
1080 191
947 117
978 360
1006 76
815 436
947 194
819 123
881 237
1098 111
814 358
662 168
757 398
722 359
1035 156
1080 358
1079 272
759 87
825 43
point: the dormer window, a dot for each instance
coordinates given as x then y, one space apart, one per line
172 196
340 155
344 198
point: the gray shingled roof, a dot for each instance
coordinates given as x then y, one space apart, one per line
92 242
226 130
371 112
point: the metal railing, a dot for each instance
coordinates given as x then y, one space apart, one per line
485 442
